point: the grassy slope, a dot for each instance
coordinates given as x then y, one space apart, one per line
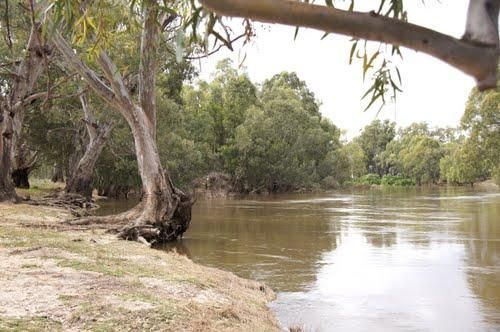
88 280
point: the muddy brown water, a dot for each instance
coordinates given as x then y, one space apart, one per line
403 260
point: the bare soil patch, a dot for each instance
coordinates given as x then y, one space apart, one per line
76 280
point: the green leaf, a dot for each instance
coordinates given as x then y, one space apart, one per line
368 65
351 6
353 49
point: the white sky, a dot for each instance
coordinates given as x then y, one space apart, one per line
433 91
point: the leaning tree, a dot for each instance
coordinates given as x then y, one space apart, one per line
164 212
80 179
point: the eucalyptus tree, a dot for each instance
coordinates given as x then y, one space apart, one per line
281 146
23 59
373 140
481 122
80 181
164 212
420 159
292 81
476 155
462 164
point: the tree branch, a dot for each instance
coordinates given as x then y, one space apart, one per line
475 60
115 78
46 94
90 122
72 60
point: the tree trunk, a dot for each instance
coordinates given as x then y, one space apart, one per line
13 103
482 22
165 212
7 191
21 178
57 173
80 181
24 163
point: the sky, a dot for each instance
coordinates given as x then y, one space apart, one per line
432 90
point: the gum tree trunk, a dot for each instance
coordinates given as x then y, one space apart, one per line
57 173
12 107
164 213
7 191
24 163
21 178
482 22
80 181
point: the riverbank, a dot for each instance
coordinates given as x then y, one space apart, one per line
55 279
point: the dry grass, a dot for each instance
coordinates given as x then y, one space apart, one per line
75 280
40 188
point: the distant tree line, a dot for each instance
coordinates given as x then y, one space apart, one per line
268 137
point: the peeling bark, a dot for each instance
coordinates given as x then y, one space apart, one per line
7 191
482 22
12 108
80 181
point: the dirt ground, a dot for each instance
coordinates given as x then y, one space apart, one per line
73 280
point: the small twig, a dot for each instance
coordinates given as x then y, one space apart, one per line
7 25
23 251
216 49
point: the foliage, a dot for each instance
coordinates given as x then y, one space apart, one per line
369 179
373 140
356 158
286 80
282 147
268 137
481 121
463 164
420 159
475 156
496 175
397 181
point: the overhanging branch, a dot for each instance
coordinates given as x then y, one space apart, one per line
476 60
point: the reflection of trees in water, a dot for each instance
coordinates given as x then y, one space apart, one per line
278 243
381 239
482 228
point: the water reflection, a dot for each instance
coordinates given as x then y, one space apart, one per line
483 255
399 260
274 241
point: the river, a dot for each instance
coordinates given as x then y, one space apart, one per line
399 260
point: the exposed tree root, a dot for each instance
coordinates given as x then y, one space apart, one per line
78 205
116 219
168 228
6 196
141 224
